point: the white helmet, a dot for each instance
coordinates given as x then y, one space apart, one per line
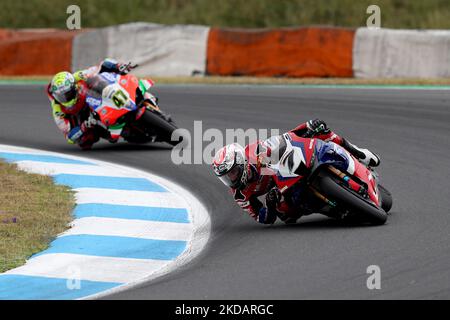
230 166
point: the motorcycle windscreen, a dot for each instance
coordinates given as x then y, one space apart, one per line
95 85
335 155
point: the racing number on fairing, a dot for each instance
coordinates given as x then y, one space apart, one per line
119 98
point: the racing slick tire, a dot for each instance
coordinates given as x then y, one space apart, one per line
386 198
350 200
163 128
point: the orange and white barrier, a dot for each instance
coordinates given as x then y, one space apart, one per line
186 50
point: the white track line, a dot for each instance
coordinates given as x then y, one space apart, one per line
131 228
131 272
47 168
129 198
93 268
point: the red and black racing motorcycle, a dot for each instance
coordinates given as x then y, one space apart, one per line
331 180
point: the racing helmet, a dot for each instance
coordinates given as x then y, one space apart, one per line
63 88
230 166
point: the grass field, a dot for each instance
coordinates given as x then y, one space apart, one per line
419 14
33 211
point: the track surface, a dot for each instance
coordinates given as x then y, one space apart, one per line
318 258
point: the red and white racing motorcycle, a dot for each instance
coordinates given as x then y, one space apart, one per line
116 103
336 183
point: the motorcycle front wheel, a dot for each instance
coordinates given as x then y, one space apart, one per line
162 127
348 199
386 198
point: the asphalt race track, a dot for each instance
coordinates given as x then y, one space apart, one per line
318 258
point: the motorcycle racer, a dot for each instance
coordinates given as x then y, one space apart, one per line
67 94
241 169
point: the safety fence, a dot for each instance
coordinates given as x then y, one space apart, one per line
189 50
35 52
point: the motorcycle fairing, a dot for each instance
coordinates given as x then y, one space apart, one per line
291 156
328 153
365 174
117 98
333 154
116 130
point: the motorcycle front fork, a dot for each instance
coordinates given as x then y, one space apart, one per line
322 197
346 179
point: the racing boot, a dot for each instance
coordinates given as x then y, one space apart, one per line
365 156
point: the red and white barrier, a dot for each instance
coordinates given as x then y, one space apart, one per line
186 50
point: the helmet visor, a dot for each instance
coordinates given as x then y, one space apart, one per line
67 96
233 177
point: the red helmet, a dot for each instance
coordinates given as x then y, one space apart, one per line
230 166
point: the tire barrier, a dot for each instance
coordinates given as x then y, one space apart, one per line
296 52
35 52
188 50
160 50
387 53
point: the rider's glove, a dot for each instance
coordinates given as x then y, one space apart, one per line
266 216
316 126
74 135
124 68
88 124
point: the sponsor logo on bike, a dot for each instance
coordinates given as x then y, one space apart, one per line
94 102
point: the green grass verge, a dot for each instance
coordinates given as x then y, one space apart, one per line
33 210
412 14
